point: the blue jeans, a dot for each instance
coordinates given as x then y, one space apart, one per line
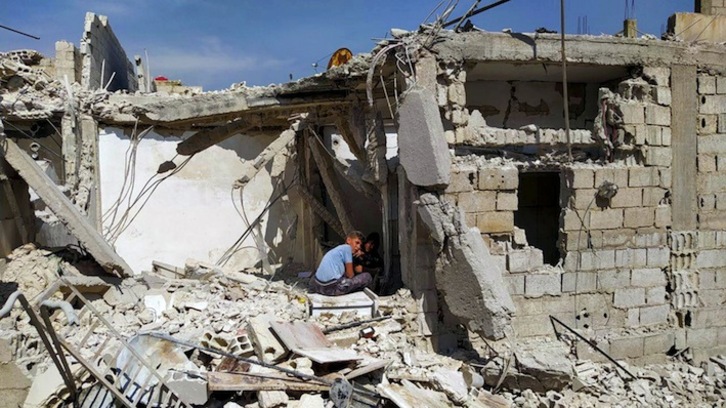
340 286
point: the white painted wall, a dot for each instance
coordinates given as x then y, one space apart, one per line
191 214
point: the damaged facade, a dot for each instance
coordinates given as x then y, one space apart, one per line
495 214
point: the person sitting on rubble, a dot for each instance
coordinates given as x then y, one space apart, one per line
336 275
369 258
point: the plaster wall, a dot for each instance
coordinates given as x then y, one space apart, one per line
191 214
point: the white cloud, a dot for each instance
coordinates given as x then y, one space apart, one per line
211 59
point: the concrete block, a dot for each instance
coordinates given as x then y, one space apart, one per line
579 282
711 104
626 347
633 318
711 183
663 217
666 178
712 220
524 260
543 284
617 176
582 199
423 150
642 177
515 284
653 196
721 128
596 260
191 389
573 220
721 85
712 144
657 115
658 257
653 315
639 217
712 258
628 197
609 280
530 326
707 124
662 95
629 297
580 177
666 136
658 156
658 343
267 346
630 258
706 85
655 296
702 338
647 277
610 218
493 222
649 237
615 238
477 201
660 75
633 113
462 179
507 201
498 178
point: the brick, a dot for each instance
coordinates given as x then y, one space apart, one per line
629 297
658 257
639 217
642 177
633 113
543 284
702 338
707 124
706 85
653 196
712 258
626 347
613 279
606 219
515 284
630 258
657 115
507 201
711 104
524 260
492 222
658 156
659 343
647 277
655 296
653 315
580 178
596 260
628 197
618 176
663 217
477 201
498 178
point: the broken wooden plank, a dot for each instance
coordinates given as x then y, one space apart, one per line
66 212
217 381
347 134
332 186
207 138
320 210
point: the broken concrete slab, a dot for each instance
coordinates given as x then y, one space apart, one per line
66 212
466 273
190 387
548 363
207 138
422 145
267 346
407 395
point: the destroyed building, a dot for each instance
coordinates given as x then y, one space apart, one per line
510 212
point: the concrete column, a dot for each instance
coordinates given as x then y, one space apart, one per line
684 145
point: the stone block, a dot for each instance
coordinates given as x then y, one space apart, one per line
707 125
573 220
633 113
633 318
707 279
498 178
579 282
462 179
507 201
666 178
653 196
660 75
658 156
662 95
524 260
658 257
626 347
631 258
655 296
530 326
617 176
721 123
657 115
653 315
580 177
663 217
712 220
647 277
596 260
515 284
712 144
712 258
721 85
493 222
711 183
628 197
582 199
477 201
702 338
659 343
543 284
712 104
642 177
610 218
706 85
616 238
639 217
609 280
629 297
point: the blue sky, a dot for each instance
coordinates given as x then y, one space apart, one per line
218 43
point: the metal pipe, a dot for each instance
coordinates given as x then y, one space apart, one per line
475 12
564 81
19 32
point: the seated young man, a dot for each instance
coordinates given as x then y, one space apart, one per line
369 258
336 275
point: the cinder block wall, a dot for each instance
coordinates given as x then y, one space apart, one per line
102 51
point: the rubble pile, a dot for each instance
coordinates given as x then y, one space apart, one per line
252 320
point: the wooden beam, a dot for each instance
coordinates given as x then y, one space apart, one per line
207 138
332 186
320 210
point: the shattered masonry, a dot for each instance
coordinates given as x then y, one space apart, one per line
488 228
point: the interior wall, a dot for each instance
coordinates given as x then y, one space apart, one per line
192 214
